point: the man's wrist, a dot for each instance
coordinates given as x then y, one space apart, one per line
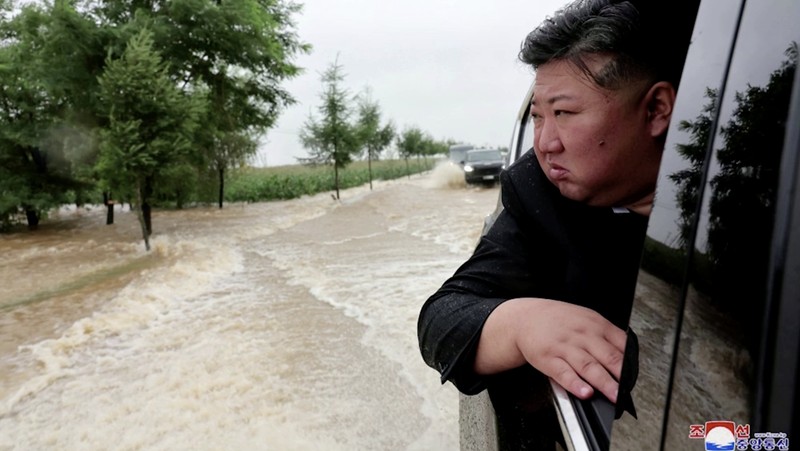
498 349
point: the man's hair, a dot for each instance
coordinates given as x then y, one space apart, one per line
646 39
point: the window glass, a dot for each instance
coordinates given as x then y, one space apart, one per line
523 131
526 141
722 319
484 155
660 285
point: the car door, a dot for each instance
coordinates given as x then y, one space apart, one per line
716 306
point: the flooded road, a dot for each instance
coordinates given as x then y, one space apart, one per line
284 325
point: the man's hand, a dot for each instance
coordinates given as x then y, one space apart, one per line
574 345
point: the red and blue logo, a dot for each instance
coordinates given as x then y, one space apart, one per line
720 435
727 435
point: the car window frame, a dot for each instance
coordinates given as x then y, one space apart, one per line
778 373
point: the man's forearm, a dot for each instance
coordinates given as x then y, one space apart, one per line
497 348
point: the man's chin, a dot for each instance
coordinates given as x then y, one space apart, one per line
570 191
578 198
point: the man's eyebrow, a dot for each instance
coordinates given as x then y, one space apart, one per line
553 99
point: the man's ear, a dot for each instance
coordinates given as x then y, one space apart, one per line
660 101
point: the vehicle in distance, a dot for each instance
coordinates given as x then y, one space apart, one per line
483 165
458 153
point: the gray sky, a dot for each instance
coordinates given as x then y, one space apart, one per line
449 67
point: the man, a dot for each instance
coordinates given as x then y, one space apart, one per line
547 292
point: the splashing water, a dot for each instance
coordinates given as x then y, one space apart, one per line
286 325
447 174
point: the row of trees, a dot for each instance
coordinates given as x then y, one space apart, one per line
350 127
135 97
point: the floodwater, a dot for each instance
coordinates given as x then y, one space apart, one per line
277 326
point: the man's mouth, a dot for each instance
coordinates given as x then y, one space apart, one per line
556 172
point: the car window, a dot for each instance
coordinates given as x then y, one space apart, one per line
717 355
484 156
660 288
526 133
522 138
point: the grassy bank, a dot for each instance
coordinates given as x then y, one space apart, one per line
289 182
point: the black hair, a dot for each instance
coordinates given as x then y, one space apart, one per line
646 39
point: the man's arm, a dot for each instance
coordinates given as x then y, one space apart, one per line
451 320
574 345
477 324
496 312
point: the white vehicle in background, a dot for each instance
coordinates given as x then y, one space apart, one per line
458 153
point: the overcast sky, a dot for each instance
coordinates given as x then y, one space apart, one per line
449 67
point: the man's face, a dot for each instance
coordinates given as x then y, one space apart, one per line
595 145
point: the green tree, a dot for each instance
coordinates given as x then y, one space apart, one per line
434 147
230 150
177 182
373 137
63 53
34 176
151 123
53 54
332 139
239 51
412 141
71 56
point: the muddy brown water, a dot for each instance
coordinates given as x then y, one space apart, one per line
280 325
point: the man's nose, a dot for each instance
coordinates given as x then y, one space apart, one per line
547 139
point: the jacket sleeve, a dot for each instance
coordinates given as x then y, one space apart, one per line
501 268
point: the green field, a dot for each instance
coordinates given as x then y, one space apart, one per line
289 182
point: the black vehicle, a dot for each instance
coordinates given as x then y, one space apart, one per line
717 304
483 165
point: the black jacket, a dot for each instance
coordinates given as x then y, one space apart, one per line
541 245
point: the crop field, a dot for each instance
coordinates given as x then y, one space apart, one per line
289 182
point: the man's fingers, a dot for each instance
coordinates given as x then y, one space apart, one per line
616 337
609 347
608 355
566 376
574 345
594 373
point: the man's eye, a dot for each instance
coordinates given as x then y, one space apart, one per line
561 113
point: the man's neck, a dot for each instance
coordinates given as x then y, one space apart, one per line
643 206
